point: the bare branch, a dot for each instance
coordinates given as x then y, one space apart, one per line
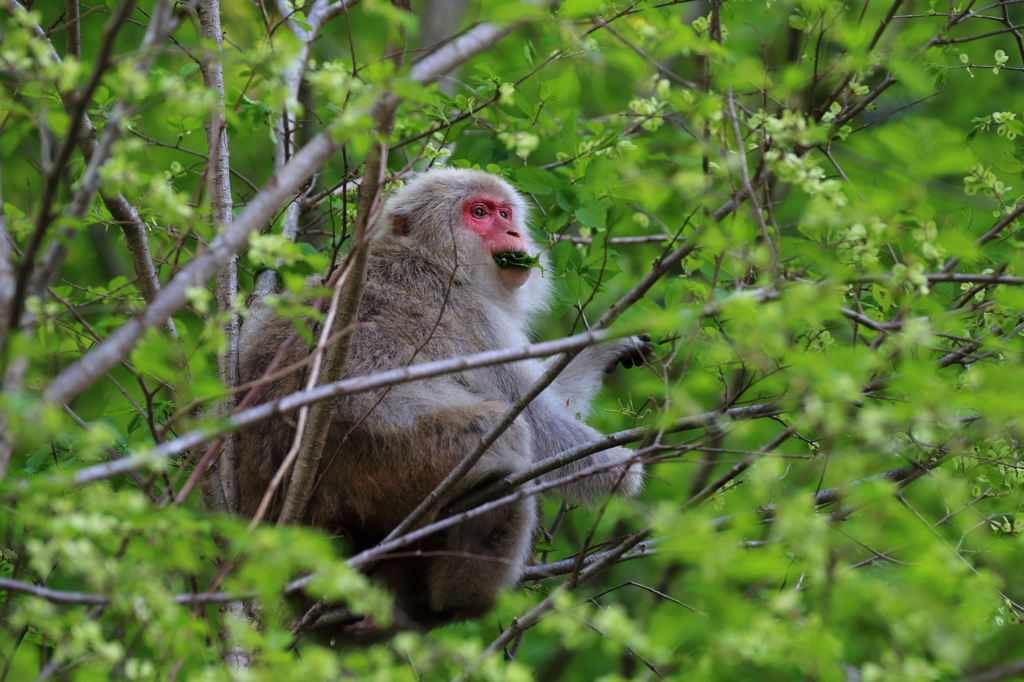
287 124
73 38
1001 672
697 421
66 597
457 52
314 437
219 175
567 566
643 239
962 277
950 41
745 175
296 400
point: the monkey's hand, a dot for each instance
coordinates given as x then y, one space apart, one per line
630 352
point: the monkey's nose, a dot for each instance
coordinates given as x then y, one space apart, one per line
513 233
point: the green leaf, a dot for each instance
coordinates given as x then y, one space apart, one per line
549 89
945 290
529 52
592 214
574 283
41 459
960 219
118 408
569 141
562 253
649 306
674 293
135 423
517 259
536 180
882 296
1008 164
567 200
528 107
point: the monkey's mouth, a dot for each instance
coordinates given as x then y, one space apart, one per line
517 259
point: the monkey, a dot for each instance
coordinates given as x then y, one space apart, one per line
433 290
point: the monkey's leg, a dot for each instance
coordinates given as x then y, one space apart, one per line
479 557
463 568
555 432
482 555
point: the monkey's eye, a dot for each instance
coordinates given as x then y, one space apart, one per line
478 212
504 214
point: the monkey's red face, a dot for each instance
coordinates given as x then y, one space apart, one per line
491 218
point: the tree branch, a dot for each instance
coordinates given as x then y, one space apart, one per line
567 566
218 172
369 206
351 386
998 673
287 124
66 597
698 421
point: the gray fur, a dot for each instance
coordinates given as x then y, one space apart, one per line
397 451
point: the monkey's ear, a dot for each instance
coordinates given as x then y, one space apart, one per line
400 225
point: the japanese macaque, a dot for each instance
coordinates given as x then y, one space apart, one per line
434 290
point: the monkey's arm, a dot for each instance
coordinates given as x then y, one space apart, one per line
578 383
400 446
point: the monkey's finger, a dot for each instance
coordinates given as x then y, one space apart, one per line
634 359
630 354
641 349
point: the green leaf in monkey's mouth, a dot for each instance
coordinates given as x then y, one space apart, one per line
517 259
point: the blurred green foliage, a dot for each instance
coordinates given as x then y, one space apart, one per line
882 142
